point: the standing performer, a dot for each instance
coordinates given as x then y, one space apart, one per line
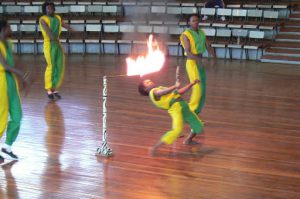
169 98
195 44
51 25
10 104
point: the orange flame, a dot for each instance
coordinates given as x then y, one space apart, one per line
152 62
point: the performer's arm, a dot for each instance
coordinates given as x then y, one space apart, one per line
187 48
187 87
48 31
159 93
210 49
17 72
66 26
9 68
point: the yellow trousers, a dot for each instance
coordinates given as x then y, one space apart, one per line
10 105
196 71
3 103
180 114
55 65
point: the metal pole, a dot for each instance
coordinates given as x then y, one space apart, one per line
177 75
104 150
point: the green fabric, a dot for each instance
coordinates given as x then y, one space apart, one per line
9 54
202 75
199 38
57 59
15 110
54 26
191 118
56 53
164 102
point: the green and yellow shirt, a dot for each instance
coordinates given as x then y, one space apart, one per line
197 40
165 101
55 25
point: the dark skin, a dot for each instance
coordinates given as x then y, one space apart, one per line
5 34
149 85
159 93
194 25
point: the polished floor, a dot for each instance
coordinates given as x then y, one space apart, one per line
250 149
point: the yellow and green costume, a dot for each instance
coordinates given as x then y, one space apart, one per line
10 104
195 70
53 52
180 113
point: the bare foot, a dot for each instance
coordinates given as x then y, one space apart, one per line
190 142
152 151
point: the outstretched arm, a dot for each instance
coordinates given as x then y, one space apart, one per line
165 91
187 87
210 49
66 26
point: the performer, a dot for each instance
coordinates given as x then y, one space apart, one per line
195 44
51 25
169 98
10 104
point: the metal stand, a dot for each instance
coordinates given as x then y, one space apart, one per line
104 150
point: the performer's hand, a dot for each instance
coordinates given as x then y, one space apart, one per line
213 53
26 83
18 73
197 81
195 57
213 62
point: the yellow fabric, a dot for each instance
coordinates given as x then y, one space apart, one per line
164 101
47 21
180 114
4 54
47 53
193 73
3 94
48 72
191 40
177 124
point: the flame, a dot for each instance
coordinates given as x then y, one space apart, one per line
152 62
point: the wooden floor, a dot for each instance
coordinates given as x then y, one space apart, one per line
250 150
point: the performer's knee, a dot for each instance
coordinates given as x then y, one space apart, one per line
198 128
171 136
